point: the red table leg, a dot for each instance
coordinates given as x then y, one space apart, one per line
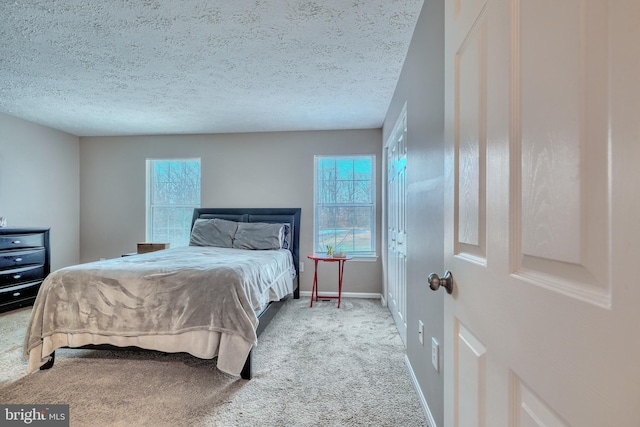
340 274
314 288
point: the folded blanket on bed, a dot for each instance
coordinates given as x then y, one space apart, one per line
164 293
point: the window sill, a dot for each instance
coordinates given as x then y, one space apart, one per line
363 258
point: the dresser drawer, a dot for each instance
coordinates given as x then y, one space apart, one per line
15 241
21 275
17 258
24 264
20 293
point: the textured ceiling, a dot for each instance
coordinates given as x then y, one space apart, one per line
132 67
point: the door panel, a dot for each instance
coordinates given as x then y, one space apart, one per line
541 208
470 378
560 149
528 410
470 142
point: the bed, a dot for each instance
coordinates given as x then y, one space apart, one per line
211 299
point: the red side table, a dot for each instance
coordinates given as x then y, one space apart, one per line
327 258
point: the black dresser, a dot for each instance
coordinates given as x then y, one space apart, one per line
24 263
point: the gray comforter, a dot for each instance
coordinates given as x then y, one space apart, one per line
191 299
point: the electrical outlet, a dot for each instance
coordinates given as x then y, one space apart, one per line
435 354
301 267
421 332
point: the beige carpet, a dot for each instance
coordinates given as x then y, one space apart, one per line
319 366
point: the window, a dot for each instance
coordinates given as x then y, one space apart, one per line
173 191
345 204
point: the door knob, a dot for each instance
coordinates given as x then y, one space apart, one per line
446 282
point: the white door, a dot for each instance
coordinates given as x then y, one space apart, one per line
542 208
396 224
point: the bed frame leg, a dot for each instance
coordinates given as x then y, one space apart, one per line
49 364
247 370
296 291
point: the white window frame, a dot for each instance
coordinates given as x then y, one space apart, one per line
372 205
150 163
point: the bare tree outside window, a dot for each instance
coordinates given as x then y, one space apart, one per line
345 204
173 191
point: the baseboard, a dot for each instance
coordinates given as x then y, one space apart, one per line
345 294
416 386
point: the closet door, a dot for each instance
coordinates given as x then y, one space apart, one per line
396 224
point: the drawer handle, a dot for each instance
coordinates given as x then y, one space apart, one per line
18 259
17 276
15 242
16 294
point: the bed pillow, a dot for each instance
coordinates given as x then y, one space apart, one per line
259 235
213 232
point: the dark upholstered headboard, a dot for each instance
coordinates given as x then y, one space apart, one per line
270 215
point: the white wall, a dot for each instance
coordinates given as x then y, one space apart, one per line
272 169
421 86
39 184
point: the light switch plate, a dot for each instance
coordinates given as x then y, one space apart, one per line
435 354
